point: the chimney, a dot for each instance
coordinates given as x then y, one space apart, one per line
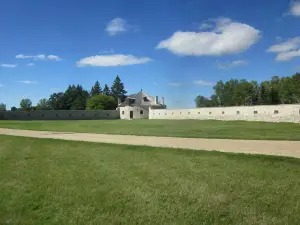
156 100
119 100
162 101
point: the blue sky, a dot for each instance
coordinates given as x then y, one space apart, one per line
172 48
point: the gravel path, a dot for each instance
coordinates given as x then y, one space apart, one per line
279 148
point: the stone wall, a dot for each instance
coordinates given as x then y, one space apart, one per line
138 112
61 115
269 113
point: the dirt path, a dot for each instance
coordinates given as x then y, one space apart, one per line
280 148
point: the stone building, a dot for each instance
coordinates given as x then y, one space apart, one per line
137 106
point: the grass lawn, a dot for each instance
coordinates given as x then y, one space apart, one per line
63 182
171 128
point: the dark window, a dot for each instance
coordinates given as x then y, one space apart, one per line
141 112
56 115
189 113
255 112
180 113
158 113
28 114
172 113
82 115
70 115
198 112
42 115
123 112
209 113
165 113
276 111
146 99
237 112
223 112
107 114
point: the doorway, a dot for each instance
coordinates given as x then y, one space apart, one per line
131 114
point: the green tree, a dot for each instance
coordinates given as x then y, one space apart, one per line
2 107
75 97
43 104
117 89
96 89
57 101
13 109
101 102
106 90
25 104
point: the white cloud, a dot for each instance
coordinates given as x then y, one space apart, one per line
286 50
112 60
54 58
118 26
295 8
30 64
39 57
205 26
203 83
235 63
27 82
227 37
8 65
174 84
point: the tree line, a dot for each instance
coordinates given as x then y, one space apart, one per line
75 97
278 90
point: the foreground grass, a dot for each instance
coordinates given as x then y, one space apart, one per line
62 182
169 128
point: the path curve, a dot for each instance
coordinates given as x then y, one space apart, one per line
279 148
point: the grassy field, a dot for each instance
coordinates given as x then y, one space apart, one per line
64 182
170 128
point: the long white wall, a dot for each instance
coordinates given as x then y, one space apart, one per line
270 113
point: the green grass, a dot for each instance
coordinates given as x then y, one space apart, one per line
170 128
47 181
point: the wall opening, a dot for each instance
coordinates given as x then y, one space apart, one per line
209 113
141 112
123 112
237 112
255 112
198 112
223 112
189 112
276 111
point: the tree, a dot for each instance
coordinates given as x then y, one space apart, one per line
13 109
2 107
101 102
106 90
43 104
96 89
57 101
25 104
117 89
75 97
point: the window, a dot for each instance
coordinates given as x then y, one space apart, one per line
42 115
189 112
158 113
173 113
180 113
276 111
141 112
146 99
107 114
209 113
255 112
238 112
82 115
28 114
198 112
123 112
70 115
223 112
56 115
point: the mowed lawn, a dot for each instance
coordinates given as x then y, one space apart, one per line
170 128
47 181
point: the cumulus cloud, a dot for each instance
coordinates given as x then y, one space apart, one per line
174 84
205 26
235 63
8 65
112 60
227 37
27 82
39 57
118 26
286 50
203 83
295 8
